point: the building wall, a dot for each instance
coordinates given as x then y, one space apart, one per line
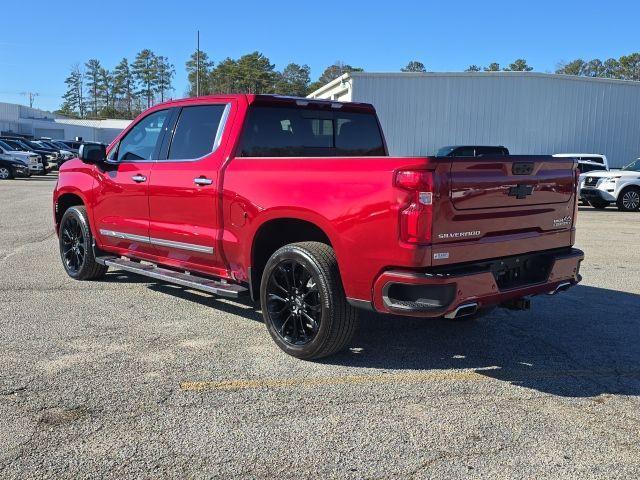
40 123
530 113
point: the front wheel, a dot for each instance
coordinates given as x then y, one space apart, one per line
76 249
629 199
5 173
303 302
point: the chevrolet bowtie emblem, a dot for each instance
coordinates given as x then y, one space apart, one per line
521 191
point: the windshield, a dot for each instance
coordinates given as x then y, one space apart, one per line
14 145
633 166
5 146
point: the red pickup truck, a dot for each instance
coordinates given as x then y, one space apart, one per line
295 202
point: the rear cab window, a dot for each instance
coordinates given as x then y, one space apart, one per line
282 131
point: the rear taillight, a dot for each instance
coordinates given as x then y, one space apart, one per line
417 217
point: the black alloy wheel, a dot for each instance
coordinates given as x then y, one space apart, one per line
303 302
74 245
293 302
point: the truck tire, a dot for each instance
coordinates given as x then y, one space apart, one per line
629 199
303 302
76 249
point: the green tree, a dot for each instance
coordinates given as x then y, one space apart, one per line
93 84
73 99
224 77
124 87
519 65
336 70
629 66
256 74
164 75
414 66
206 66
611 68
593 68
492 67
294 80
106 91
146 75
574 67
473 68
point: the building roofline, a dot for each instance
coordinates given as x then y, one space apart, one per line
557 76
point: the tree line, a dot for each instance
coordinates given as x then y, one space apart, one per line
627 67
93 91
130 87
254 73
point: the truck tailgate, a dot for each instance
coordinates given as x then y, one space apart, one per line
490 207
510 181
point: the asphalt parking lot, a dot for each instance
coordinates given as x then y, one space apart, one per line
129 378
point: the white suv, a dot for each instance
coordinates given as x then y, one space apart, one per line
620 186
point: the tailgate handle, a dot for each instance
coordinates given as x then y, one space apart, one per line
522 168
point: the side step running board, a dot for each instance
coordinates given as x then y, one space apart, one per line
170 276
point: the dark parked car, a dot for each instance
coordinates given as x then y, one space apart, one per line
72 144
48 155
472 151
13 168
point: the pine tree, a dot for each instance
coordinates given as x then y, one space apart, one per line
74 96
294 80
145 72
164 74
93 83
204 79
124 86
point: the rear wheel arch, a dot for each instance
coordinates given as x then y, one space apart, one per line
276 233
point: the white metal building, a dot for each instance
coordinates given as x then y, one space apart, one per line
529 113
22 120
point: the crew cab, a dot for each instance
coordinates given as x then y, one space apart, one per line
297 203
622 187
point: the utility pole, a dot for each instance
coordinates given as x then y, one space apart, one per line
31 96
198 64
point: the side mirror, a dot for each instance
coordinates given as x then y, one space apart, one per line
93 152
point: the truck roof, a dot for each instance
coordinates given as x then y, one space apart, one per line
280 100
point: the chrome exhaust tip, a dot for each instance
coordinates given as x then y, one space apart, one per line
463 310
560 288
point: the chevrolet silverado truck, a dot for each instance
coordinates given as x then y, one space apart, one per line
296 204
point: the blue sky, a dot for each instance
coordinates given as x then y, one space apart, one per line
40 40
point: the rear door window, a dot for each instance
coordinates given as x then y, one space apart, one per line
197 132
295 132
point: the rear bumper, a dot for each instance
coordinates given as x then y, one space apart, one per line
437 294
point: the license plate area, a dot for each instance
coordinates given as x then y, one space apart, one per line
523 270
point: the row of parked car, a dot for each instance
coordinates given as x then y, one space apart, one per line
22 157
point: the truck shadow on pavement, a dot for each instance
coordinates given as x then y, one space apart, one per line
581 343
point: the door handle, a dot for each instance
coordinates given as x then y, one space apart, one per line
139 178
202 181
